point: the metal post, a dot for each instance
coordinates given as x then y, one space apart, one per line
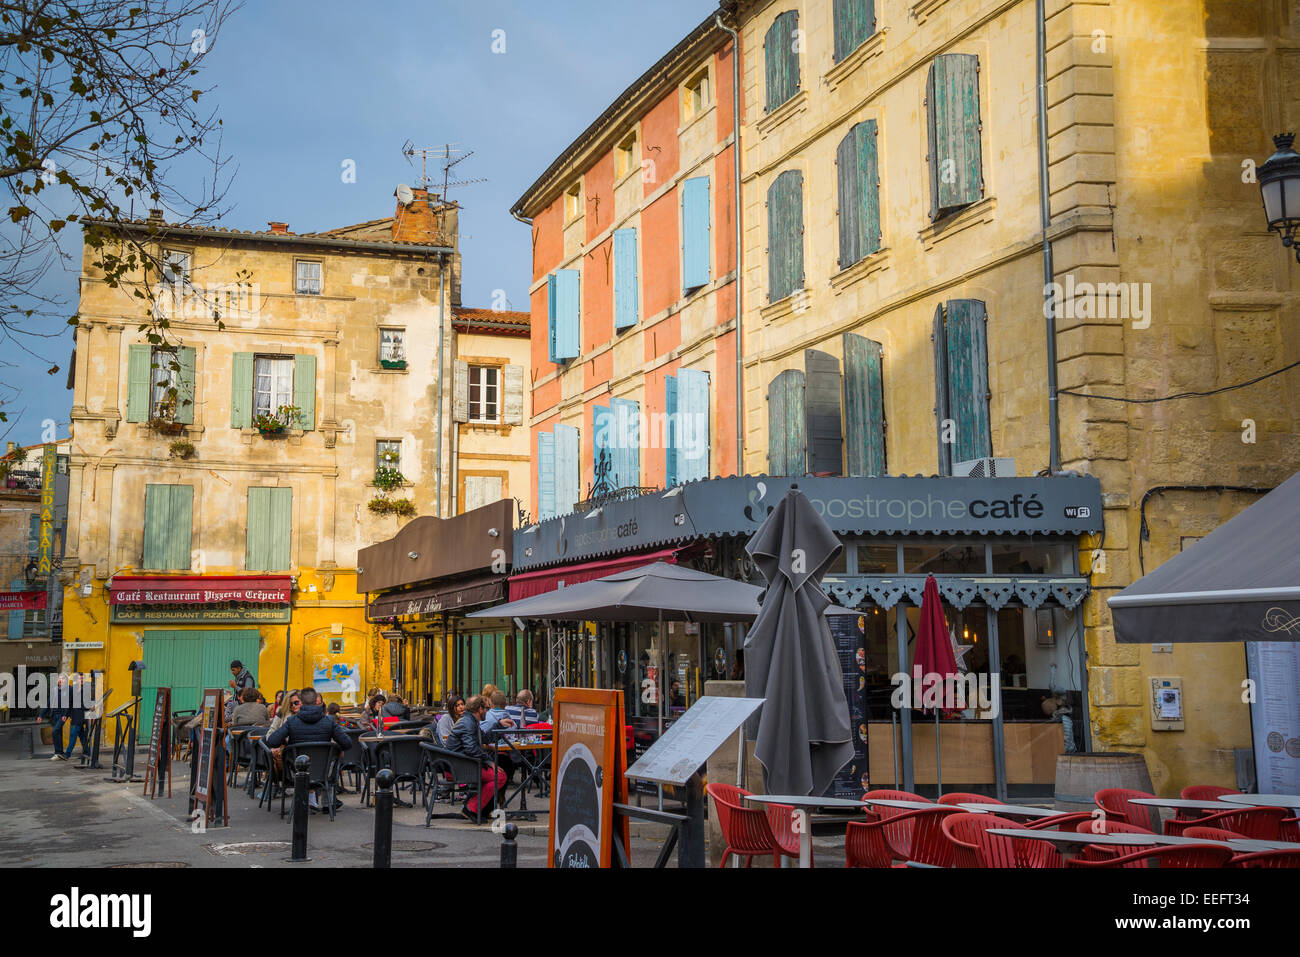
999 731
900 613
691 853
383 819
509 849
301 773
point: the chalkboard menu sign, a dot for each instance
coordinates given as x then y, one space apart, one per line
160 746
206 755
848 633
588 761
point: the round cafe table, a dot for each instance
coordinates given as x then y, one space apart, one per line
1010 810
803 803
902 803
1291 801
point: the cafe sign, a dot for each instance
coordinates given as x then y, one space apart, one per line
45 553
201 614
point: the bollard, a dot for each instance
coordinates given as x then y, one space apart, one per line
383 819
301 774
509 849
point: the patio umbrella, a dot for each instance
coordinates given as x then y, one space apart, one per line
933 655
802 731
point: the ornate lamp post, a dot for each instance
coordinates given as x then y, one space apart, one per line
1279 183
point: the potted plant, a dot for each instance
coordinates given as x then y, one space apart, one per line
387 479
271 425
11 462
393 363
382 505
164 419
181 449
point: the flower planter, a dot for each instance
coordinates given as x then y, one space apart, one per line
270 433
393 363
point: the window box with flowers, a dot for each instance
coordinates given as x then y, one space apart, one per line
270 426
392 363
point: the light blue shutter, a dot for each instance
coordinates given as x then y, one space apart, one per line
671 431
626 442
693 433
602 428
16 617
695 233
568 470
304 390
566 314
626 296
545 476
34 535
552 318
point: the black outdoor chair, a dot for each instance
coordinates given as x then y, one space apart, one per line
353 759
323 772
400 754
240 753
281 782
448 772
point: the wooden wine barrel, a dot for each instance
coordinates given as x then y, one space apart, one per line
1080 776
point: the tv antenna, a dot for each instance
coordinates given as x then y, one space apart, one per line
445 153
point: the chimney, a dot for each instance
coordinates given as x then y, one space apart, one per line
156 217
279 229
418 223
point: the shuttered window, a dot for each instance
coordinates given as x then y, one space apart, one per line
953 118
785 424
822 412
160 384
670 431
855 21
962 382
262 384
15 627
785 235
545 475
864 407
857 169
562 314
626 289
781 57
602 456
269 521
168 517
695 233
625 442
692 425
568 469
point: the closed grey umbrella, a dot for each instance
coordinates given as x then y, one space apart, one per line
802 731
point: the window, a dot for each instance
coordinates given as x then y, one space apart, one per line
176 267
562 289
272 384
785 424
573 202
785 235
392 345
859 191
864 407
953 119
306 278
164 392
388 454
855 21
558 472
269 521
781 58
695 233
168 517
160 384
625 157
484 394
695 96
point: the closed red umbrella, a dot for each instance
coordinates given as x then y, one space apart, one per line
933 656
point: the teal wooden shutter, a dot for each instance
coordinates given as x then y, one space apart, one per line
545 476
568 481
139 374
855 21
695 233
939 339
168 520
625 444
304 390
566 314
552 318
670 431
822 412
864 407
781 59
241 391
185 392
785 235
34 535
968 379
15 629
953 120
693 422
785 424
270 513
857 169
626 296
602 433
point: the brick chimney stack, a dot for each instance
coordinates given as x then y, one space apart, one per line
418 223
279 229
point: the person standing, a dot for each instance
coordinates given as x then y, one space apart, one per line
76 715
243 678
57 712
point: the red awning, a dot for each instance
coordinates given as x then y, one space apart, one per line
205 590
22 600
540 582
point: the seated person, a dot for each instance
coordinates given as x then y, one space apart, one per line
332 709
466 738
497 717
395 708
308 726
249 710
438 733
522 711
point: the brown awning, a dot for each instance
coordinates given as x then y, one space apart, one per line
430 549
440 598
29 654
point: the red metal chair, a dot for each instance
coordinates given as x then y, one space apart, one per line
1205 792
745 830
1267 859
1184 855
1290 829
1213 834
965 797
1106 852
929 844
1257 823
1115 802
897 835
780 817
729 793
865 846
1040 854
972 847
878 843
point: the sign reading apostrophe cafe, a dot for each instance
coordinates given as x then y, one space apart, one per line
1060 505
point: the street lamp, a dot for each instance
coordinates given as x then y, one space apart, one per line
30 572
1279 182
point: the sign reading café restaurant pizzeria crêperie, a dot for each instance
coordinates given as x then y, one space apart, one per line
209 599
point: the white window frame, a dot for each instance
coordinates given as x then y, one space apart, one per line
696 93
170 259
298 281
397 337
280 391
163 375
625 156
573 202
386 445
485 380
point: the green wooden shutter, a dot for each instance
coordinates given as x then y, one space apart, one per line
785 235
822 412
139 374
968 379
953 118
693 425
939 339
671 429
270 512
168 521
304 390
855 21
864 407
781 59
785 424
545 476
626 304
850 198
34 535
241 391
868 189
185 392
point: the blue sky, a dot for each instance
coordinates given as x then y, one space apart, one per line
303 86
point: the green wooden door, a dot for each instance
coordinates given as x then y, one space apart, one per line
189 661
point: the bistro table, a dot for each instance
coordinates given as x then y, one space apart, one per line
1072 843
1290 801
803 803
1010 810
898 803
534 769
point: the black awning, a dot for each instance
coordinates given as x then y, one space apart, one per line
438 598
1239 583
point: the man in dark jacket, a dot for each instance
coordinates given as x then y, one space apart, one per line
467 739
310 725
243 677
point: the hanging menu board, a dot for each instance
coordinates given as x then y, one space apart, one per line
1274 668
159 746
687 745
588 760
849 636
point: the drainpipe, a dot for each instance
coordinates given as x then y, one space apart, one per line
1045 211
735 156
442 341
